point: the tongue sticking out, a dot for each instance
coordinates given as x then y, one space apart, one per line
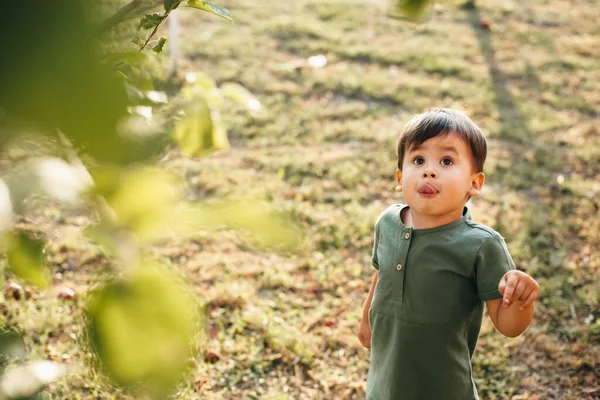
427 189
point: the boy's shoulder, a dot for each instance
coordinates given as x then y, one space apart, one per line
394 209
477 233
390 213
480 229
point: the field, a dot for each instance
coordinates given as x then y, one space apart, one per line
284 325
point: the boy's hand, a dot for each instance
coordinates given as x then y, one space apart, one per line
364 333
517 285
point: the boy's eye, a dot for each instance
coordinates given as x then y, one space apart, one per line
446 161
419 161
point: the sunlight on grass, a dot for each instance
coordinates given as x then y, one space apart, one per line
282 325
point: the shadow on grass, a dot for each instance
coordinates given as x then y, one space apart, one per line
512 121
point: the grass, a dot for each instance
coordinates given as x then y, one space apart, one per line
284 326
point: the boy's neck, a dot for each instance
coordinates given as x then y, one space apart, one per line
420 221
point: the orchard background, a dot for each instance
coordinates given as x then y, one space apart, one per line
330 84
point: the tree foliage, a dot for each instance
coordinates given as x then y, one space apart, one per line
106 132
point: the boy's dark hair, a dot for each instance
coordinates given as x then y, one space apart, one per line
439 122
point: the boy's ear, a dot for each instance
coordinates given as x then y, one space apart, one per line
399 180
477 181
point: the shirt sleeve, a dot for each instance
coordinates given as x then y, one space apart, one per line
491 263
374 261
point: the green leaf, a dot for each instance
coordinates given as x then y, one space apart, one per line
55 81
134 58
200 131
198 83
142 329
25 258
240 94
150 21
140 200
159 47
412 9
211 8
134 93
171 4
265 226
137 41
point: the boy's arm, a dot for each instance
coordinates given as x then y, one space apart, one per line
367 305
512 313
364 330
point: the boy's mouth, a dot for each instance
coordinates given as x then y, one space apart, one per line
427 190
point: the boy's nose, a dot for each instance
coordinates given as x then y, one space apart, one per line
429 173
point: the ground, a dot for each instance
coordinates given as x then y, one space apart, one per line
284 325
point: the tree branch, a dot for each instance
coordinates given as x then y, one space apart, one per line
156 28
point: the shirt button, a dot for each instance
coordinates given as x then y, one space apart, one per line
399 267
407 236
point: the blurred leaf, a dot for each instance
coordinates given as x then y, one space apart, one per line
137 41
240 94
26 380
73 91
105 237
142 329
200 131
61 180
130 57
22 182
139 199
25 258
411 9
157 97
150 21
134 93
12 345
171 4
266 226
198 83
211 8
149 130
159 47
6 207
51 176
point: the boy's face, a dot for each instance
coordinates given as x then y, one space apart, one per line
438 177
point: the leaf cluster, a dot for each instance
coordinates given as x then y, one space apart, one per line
107 127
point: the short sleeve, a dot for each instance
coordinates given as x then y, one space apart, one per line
374 261
491 263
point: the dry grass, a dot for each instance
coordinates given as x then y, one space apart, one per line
284 326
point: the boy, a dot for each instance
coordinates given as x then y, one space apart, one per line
435 268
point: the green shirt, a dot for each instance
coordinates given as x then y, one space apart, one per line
427 306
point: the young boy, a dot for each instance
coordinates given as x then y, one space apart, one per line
436 267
